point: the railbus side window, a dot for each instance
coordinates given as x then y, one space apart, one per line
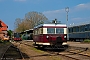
51 30
36 32
41 30
89 28
59 30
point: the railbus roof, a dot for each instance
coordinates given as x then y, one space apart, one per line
55 25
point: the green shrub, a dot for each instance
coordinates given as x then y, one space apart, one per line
87 40
1 41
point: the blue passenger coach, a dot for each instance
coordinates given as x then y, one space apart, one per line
79 32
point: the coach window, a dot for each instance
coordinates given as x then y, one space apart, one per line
74 29
82 28
89 27
70 30
51 30
77 30
59 30
86 27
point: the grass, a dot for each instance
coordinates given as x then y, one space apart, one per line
56 58
37 50
52 57
4 42
1 41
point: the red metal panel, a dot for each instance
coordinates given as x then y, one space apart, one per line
52 37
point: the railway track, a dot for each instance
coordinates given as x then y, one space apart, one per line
72 53
76 54
12 53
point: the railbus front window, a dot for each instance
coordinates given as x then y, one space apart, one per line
51 30
59 30
17 35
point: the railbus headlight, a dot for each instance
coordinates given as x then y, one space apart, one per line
47 37
64 36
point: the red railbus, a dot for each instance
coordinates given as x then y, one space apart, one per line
17 37
54 35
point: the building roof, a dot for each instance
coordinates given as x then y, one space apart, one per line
3 26
2 23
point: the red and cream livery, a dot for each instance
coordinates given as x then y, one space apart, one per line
50 35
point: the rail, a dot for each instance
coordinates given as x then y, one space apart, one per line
7 55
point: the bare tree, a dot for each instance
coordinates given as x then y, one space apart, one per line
17 23
31 19
35 18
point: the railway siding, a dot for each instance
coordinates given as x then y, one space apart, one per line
79 44
3 47
9 51
82 51
12 53
38 55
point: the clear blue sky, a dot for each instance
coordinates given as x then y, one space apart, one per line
79 10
